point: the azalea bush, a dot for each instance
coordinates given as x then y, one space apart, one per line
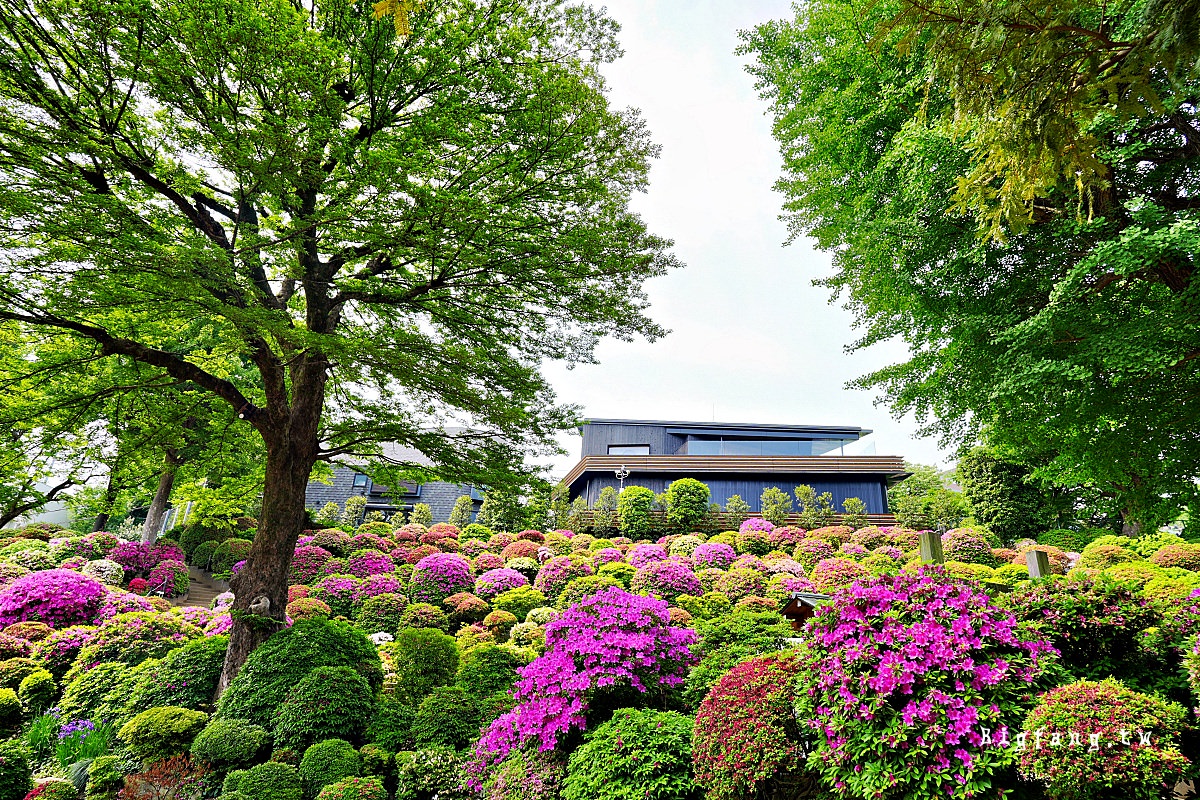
747 740
905 679
612 640
1135 753
636 755
435 577
57 597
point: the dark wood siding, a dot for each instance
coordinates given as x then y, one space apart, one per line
598 436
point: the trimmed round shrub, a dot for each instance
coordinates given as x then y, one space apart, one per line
159 733
14 647
424 615
368 788
1067 540
621 572
134 637
1097 625
832 574
729 638
370 562
520 601
37 691
666 580
54 789
967 546
338 591
486 670
226 744
465 608
687 503
755 542
522 548
105 571
579 588
230 552
499 624
187 676
436 577
633 511
271 780
1183 556
685 545
203 554
57 597
283 661
810 552
308 563
747 742
641 555
1111 760
383 612
932 661
304 608
391 727
1011 574
497 581
1103 556
636 755
526 775
740 582
557 573
84 695
15 770
423 658
10 711
15 670
428 774
330 702
327 762
29 631
448 717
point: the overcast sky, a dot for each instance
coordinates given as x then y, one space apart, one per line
741 291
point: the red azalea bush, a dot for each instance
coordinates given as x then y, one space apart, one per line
331 539
57 597
1184 556
522 548
303 608
29 631
746 740
911 675
1085 740
139 586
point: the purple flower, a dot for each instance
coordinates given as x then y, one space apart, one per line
435 577
495 581
57 597
713 555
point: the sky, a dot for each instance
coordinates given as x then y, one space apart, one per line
711 192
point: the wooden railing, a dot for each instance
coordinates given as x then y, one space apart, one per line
714 523
707 465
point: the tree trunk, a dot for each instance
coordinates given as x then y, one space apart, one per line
1129 526
260 588
110 497
166 481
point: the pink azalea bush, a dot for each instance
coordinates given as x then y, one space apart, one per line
610 639
666 579
57 597
307 562
437 576
642 554
756 524
370 562
557 573
138 558
496 581
715 555
913 675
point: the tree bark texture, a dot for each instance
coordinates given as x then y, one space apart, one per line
158 506
260 588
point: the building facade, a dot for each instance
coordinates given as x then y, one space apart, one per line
733 459
348 482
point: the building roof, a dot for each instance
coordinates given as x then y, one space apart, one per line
718 428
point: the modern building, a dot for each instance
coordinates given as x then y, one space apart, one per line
348 482
733 459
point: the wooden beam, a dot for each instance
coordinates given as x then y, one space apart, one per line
700 465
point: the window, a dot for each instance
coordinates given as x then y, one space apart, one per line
361 481
629 449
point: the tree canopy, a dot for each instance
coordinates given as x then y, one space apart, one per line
394 228
1051 310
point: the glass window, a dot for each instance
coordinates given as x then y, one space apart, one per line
703 447
786 447
741 447
827 447
361 481
629 449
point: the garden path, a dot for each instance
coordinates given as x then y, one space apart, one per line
201 591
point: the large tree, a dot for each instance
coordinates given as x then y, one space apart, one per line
393 227
1013 189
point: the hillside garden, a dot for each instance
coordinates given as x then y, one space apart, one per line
424 662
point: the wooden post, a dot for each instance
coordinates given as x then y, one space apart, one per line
1038 563
931 548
